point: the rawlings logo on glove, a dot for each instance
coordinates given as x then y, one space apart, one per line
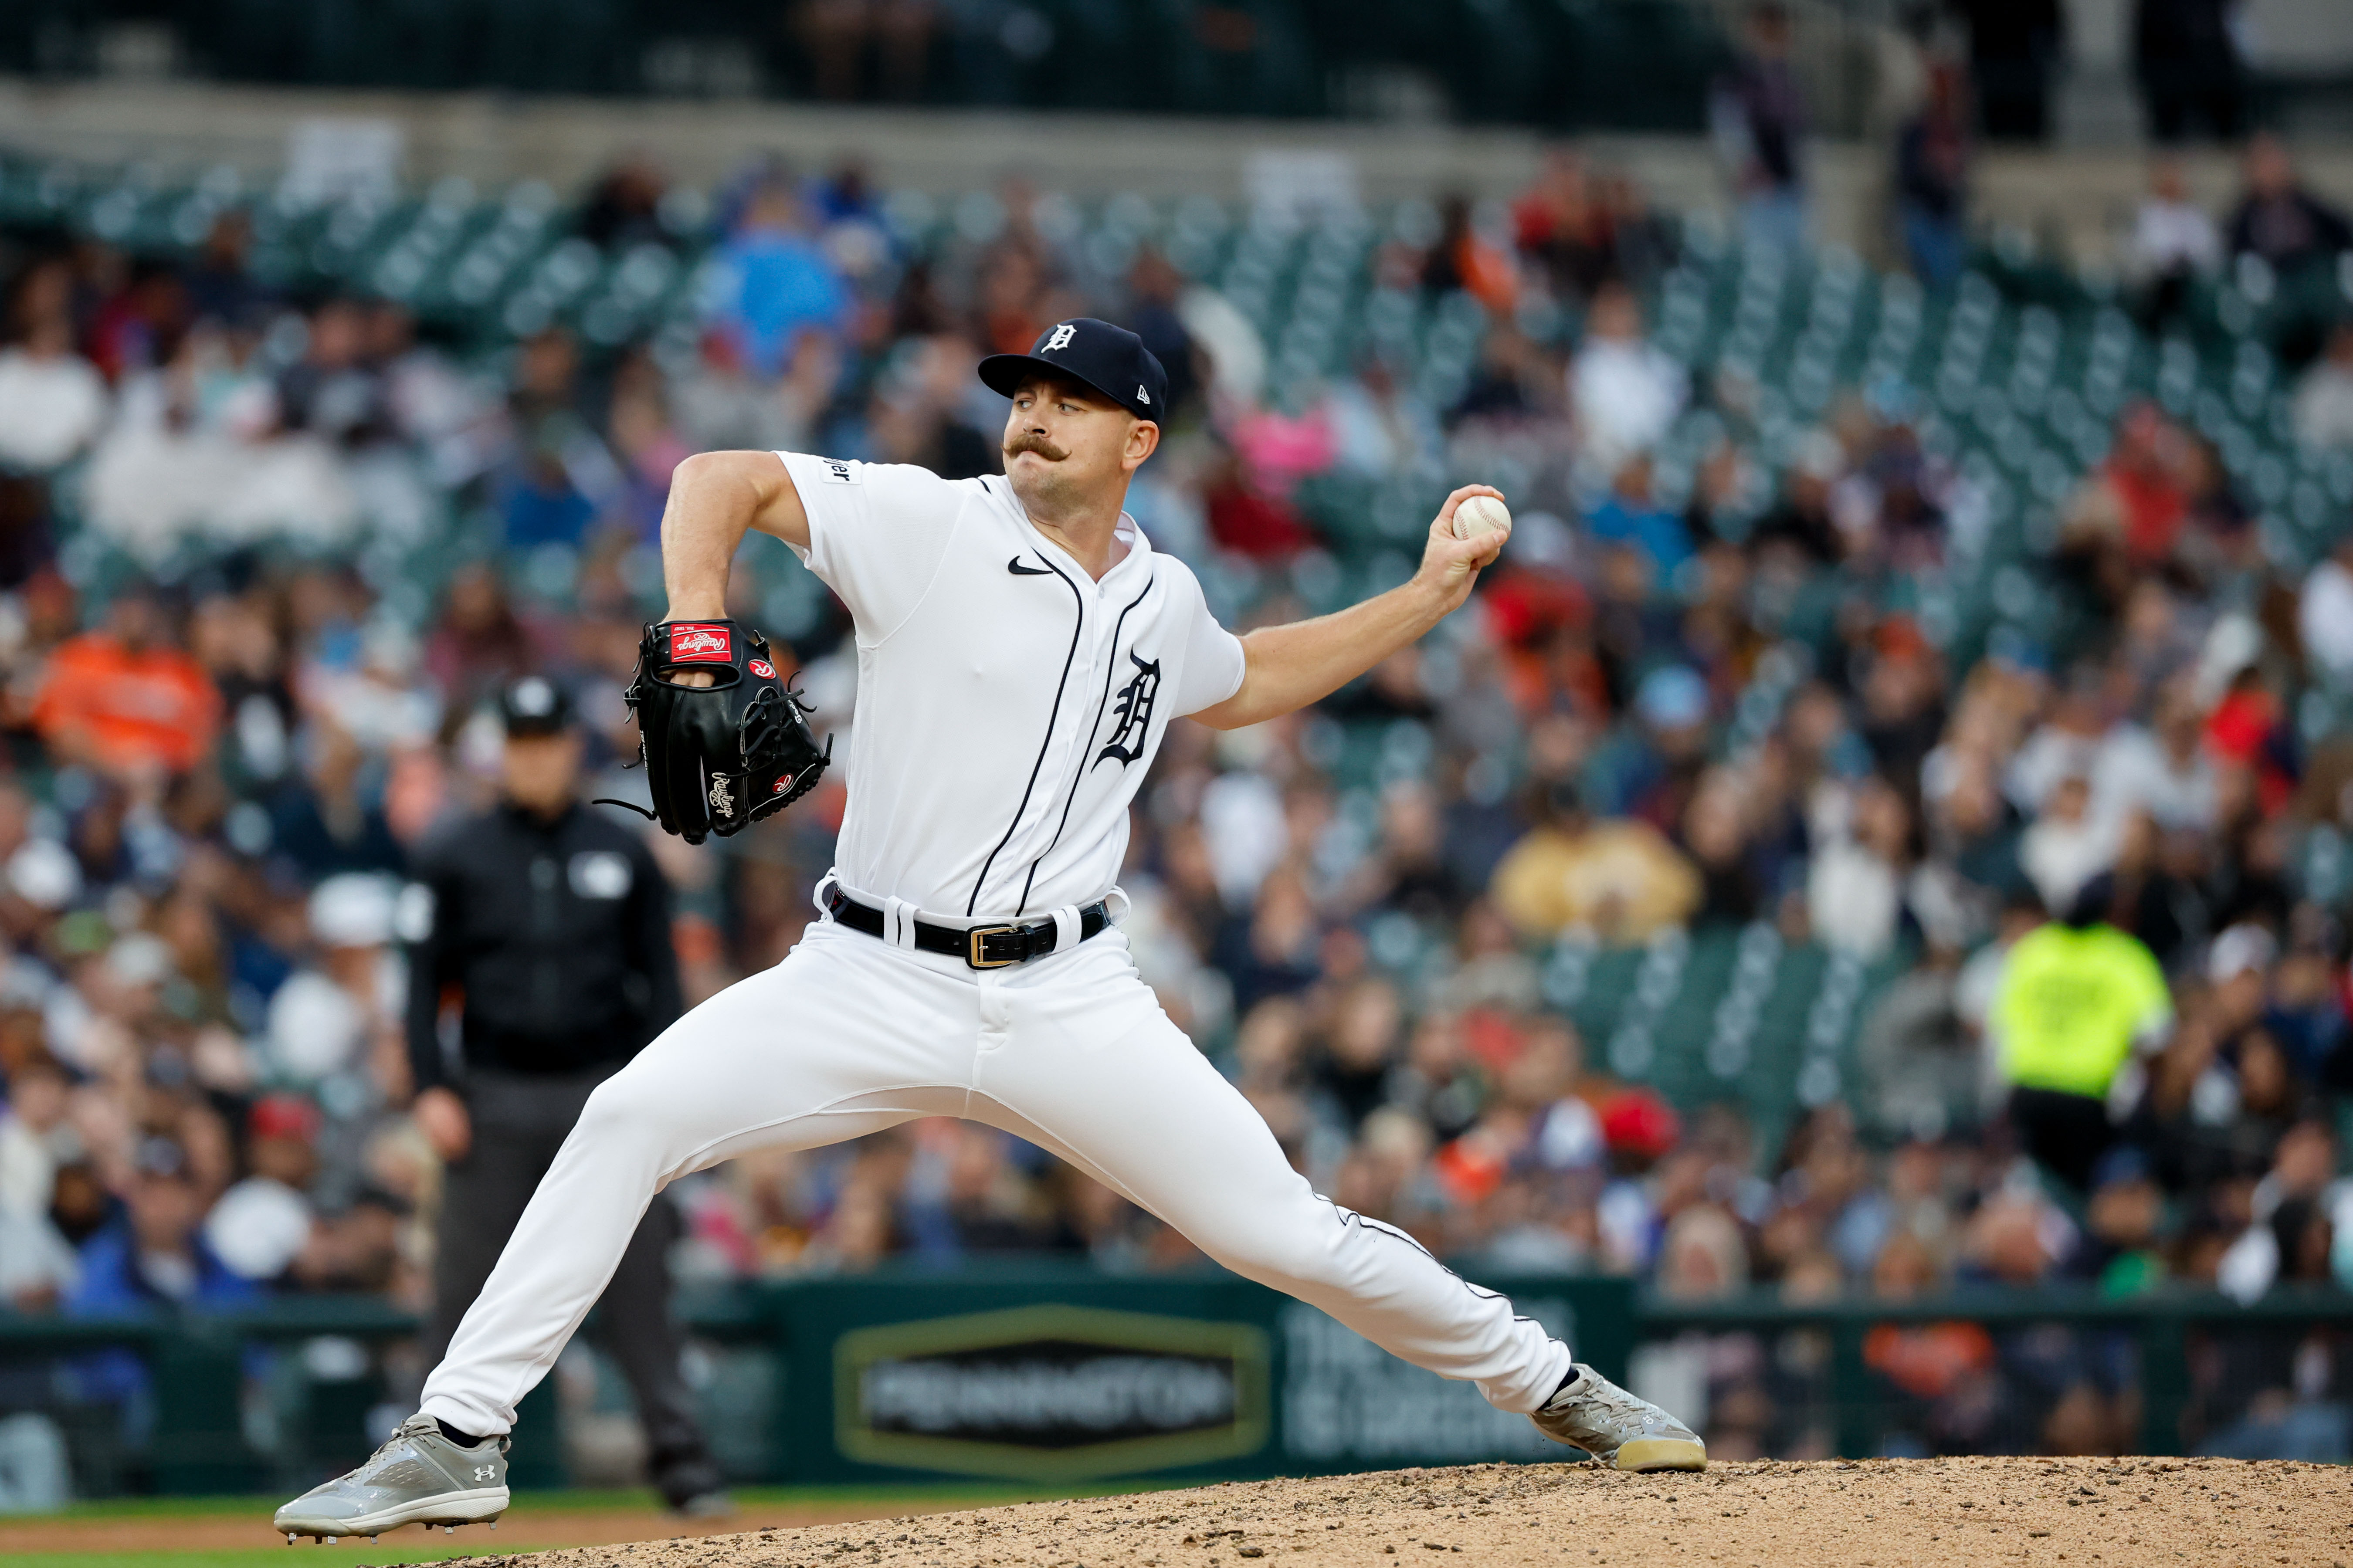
690 643
718 757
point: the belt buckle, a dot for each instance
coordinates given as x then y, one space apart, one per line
977 936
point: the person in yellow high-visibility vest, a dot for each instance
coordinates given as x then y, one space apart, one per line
2076 1002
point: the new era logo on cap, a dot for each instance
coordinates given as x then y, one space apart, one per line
692 643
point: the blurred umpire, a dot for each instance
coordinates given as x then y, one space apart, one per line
549 925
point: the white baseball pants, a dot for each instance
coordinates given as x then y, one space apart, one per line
851 1035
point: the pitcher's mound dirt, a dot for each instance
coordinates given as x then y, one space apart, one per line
1878 1513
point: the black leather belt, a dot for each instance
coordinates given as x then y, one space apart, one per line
981 947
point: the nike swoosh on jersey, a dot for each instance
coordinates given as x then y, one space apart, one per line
1018 570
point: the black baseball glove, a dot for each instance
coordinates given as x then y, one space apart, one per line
720 757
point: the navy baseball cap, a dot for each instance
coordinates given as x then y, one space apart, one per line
1111 360
535 706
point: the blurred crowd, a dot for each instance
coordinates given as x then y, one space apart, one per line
2116 1047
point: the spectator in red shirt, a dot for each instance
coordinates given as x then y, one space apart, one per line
1560 225
2127 516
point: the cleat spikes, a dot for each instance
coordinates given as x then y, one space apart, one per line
290 1538
330 1540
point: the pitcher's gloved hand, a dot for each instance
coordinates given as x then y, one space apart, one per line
719 757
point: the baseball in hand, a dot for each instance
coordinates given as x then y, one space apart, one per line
1481 514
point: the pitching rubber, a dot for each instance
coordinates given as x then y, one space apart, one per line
1648 1454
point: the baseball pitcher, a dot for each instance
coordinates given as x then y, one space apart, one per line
1021 650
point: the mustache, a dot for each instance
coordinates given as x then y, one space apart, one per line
1030 441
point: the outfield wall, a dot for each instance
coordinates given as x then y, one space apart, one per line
1059 1374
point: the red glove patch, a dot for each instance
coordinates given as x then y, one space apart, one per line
692 642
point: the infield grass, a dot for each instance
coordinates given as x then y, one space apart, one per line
232 1532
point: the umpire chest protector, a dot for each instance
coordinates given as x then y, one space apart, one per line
1009 705
549 928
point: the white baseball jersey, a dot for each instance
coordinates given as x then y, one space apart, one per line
1009 705
1008 709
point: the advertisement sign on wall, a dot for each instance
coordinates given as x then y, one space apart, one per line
1050 1393
1052 1376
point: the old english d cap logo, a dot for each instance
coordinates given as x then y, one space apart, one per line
1111 360
692 642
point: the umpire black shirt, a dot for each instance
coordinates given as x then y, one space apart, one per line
555 933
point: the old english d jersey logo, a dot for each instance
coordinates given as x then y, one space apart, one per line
1132 712
692 643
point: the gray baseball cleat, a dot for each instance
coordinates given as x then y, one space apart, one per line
1591 1413
418 1476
